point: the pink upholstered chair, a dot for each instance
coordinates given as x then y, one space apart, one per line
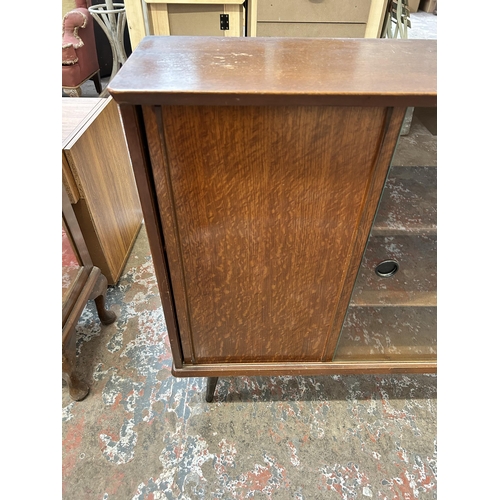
79 54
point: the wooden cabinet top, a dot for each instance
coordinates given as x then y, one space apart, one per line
182 70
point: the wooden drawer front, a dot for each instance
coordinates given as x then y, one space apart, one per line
332 30
336 11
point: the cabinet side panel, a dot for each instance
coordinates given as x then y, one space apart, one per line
266 203
169 225
133 122
101 160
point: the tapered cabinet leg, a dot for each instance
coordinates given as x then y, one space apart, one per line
211 385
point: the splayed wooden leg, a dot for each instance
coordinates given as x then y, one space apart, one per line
211 385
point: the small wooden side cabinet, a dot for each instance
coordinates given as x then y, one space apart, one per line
81 282
260 164
99 181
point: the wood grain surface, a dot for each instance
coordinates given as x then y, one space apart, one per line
260 164
278 71
260 222
109 209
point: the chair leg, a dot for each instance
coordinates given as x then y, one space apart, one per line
98 294
78 388
211 385
97 82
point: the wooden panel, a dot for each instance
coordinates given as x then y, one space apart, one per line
378 9
307 369
354 11
135 21
69 181
336 30
75 113
251 28
203 20
100 164
159 20
236 20
134 131
263 71
268 222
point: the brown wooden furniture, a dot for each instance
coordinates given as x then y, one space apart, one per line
260 163
99 181
81 282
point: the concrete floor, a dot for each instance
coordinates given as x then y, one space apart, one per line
143 434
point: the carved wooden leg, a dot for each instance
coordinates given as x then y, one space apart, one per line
78 389
97 82
73 92
99 296
211 385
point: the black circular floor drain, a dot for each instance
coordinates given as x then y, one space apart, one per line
387 268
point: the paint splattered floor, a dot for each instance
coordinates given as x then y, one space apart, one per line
143 434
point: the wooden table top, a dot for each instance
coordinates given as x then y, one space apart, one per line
273 71
74 111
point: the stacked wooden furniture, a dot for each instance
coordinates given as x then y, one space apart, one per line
190 17
301 18
260 164
99 181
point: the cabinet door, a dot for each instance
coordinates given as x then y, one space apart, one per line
265 213
334 11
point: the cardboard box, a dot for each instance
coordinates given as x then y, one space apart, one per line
428 5
413 5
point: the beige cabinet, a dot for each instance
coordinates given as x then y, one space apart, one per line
321 18
190 17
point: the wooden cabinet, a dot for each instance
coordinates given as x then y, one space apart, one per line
190 17
260 165
98 178
323 18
